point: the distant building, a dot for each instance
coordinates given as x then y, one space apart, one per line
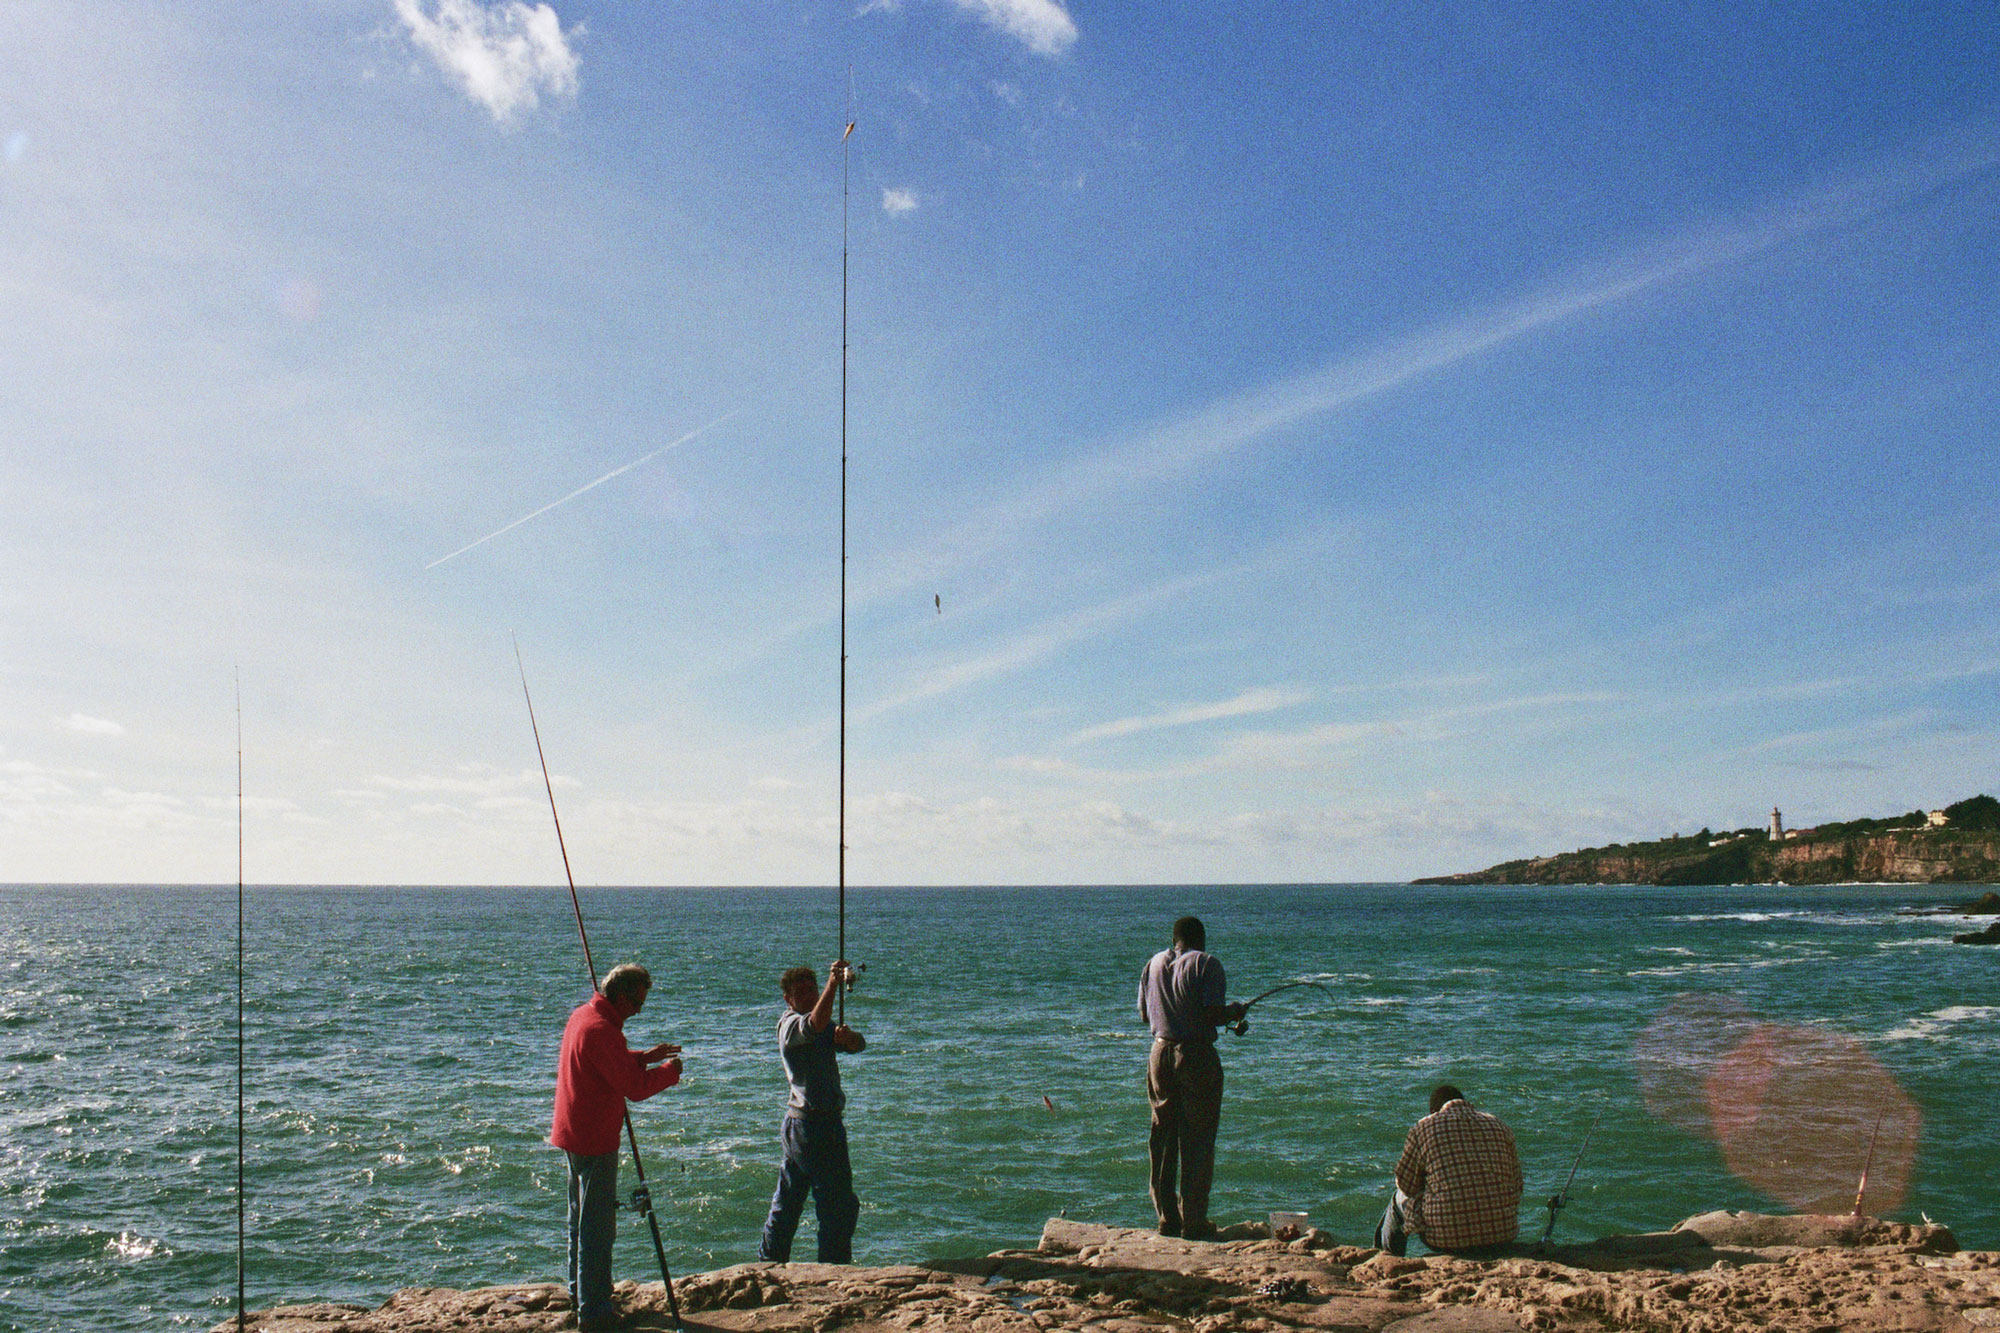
1937 819
1777 825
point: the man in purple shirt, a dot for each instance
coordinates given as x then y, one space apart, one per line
1181 998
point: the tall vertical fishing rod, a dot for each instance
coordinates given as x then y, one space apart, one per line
241 1316
845 135
642 1196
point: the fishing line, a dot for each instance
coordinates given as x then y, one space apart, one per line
642 1195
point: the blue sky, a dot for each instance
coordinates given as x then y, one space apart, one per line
1345 442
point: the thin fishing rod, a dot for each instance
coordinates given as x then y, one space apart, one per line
1560 1199
589 963
845 135
1869 1161
642 1194
241 1316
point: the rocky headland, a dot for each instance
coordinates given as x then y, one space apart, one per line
1716 1273
1906 849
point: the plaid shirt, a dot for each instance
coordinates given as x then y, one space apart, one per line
1463 1178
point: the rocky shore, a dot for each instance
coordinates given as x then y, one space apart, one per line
1716 1273
1908 856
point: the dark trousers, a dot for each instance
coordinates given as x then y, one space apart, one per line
815 1162
593 1222
1184 1085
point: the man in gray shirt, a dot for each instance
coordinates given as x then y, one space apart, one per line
813 1135
1181 997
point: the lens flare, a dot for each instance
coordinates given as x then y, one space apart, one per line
1807 1116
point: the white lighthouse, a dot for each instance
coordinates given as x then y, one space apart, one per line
1777 825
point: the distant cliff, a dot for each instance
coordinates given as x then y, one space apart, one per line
1867 851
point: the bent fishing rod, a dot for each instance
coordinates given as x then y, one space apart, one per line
1560 1198
642 1194
1242 1025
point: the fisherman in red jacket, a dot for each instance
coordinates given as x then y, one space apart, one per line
595 1076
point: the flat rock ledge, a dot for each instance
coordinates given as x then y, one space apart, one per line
1716 1273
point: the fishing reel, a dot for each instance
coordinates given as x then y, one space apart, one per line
642 1200
847 986
1242 1023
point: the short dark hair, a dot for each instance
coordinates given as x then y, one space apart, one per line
1442 1093
1189 931
796 976
627 981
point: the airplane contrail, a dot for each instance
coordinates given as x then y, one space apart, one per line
615 472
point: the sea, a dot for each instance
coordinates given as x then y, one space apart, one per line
399 1052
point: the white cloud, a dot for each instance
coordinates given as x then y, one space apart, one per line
896 202
1250 701
505 56
1010 93
93 726
1044 26
470 780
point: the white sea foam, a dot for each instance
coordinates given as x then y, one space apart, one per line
1734 916
1932 1026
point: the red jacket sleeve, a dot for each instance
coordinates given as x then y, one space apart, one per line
604 1050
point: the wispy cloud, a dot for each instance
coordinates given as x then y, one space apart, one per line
898 201
1036 645
1213 432
1282 749
1248 702
506 56
1042 25
92 726
479 780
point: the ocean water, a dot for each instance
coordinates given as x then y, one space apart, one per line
401 1047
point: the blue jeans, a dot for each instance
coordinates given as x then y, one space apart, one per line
1392 1234
593 1222
815 1161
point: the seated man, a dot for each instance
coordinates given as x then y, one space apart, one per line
1458 1182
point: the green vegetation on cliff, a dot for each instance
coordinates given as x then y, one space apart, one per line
1900 849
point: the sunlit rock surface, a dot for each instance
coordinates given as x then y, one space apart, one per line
1715 1273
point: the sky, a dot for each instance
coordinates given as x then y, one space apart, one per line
1324 443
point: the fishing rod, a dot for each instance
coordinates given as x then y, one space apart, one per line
1869 1161
1242 1025
642 1194
1560 1198
241 1316
845 135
